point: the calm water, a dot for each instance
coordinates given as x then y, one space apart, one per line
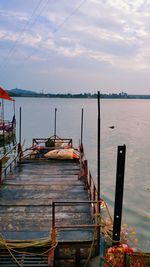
132 128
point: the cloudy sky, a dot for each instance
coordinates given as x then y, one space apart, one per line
75 45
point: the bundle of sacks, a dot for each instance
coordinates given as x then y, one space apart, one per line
69 153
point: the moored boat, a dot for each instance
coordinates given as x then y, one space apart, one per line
7 127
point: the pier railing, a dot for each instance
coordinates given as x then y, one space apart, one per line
79 245
8 161
85 174
52 142
44 145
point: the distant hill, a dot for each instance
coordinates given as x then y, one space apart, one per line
21 92
27 93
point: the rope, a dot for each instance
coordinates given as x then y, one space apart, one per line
103 224
24 244
10 252
91 249
10 246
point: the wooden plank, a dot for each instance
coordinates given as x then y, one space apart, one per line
27 195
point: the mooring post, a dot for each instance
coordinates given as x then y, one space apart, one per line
119 194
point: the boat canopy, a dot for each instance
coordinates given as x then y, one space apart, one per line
5 95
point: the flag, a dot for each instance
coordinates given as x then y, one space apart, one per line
5 95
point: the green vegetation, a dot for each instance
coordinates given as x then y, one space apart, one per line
27 93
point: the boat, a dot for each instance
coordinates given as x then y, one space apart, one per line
7 127
51 213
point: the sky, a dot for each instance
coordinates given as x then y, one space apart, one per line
75 46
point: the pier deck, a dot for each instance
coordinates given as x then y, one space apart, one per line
26 197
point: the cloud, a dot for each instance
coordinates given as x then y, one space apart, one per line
110 36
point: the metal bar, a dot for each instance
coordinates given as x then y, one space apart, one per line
3 117
98 170
85 168
98 149
77 257
55 203
0 171
9 166
53 215
58 203
78 226
90 185
119 193
9 151
94 190
55 123
82 129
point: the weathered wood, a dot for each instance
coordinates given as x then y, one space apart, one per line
26 198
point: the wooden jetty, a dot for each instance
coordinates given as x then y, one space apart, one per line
46 204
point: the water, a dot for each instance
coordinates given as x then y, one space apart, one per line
132 128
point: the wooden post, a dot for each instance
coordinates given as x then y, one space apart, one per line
119 193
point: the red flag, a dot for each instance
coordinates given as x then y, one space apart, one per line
5 95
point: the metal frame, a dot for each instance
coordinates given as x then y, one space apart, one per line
9 167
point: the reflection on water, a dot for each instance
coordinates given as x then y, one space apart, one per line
131 127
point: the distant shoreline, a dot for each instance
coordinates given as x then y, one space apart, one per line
83 96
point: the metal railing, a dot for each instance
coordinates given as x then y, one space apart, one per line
12 161
94 238
7 126
53 142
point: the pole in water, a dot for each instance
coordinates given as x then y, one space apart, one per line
55 124
81 144
119 194
98 173
98 147
20 125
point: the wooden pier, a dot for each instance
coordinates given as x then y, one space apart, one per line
27 194
48 201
